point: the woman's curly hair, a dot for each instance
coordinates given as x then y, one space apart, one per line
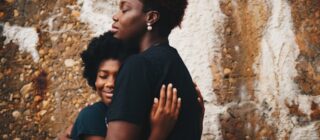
99 49
171 13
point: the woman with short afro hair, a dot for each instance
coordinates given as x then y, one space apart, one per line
147 24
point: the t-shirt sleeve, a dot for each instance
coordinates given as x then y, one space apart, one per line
132 97
88 123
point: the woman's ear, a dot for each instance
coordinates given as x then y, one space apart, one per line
152 17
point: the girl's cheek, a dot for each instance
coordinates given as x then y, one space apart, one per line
98 83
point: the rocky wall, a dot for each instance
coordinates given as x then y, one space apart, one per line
257 63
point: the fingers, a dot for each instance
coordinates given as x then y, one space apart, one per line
162 97
200 99
174 100
177 111
154 106
169 98
168 102
198 92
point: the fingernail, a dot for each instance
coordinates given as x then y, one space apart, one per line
170 84
155 100
163 86
174 90
199 99
179 99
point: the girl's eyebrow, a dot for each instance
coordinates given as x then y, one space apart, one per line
103 71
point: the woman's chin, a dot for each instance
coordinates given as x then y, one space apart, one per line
117 36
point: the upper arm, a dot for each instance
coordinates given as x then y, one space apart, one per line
121 130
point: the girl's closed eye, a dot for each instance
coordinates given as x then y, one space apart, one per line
103 75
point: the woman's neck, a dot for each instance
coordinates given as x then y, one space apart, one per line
150 39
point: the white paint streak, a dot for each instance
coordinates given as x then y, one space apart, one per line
199 42
98 14
26 37
276 69
308 132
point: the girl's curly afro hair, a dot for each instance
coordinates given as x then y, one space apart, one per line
99 49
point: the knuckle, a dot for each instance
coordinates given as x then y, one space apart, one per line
160 109
167 112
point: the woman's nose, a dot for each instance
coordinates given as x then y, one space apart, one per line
115 17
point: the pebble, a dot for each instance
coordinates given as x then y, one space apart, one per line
75 13
69 62
45 104
26 89
1 76
228 30
15 13
10 1
3 103
42 52
52 118
226 71
27 112
5 136
42 112
37 98
3 60
54 38
16 114
2 14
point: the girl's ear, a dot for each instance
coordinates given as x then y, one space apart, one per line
152 17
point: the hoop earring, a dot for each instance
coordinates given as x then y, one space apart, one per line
149 27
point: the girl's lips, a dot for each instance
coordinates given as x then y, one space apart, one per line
107 93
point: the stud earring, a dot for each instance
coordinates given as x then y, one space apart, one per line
149 27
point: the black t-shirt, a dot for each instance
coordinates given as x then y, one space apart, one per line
139 81
91 121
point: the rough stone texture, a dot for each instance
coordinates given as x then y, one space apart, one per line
257 63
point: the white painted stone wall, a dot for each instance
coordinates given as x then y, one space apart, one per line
199 42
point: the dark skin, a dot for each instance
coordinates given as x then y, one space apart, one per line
131 22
